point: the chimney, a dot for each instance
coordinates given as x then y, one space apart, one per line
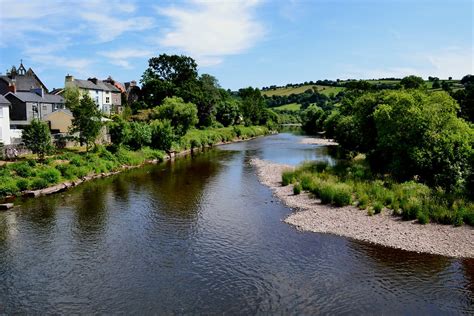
69 78
12 88
133 83
94 80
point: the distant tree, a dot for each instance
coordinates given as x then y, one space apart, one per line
166 75
252 106
205 93
436 84
467 79
182 115
312 119
87 121
446 86
227 111
360 85
450 78
412 82
37 138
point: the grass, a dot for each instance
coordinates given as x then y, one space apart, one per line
288 107
298 90
352 181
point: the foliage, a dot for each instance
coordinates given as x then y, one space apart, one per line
227 112
37 138
252 106
86 121
140 135
412 82
312 119
182 115
119 131
162 135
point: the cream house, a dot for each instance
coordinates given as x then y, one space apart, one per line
5 121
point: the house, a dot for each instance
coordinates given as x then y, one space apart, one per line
59 121
4 121
105 94
20 80
26 106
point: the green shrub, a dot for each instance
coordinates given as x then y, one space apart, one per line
378 207
22 184
327 194
370 212
8 187
287 177
342 195
51 175
297 189
23 169
423 218
468 218
363 202
39 183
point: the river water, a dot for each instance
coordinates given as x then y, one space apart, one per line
202 235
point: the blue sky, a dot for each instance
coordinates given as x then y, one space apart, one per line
242 43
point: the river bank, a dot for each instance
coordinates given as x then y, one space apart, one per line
383 229
64 185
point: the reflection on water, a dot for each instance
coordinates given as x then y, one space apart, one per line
201 235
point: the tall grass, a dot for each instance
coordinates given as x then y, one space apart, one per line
352 181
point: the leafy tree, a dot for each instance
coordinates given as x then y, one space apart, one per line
312 119
166 75
119 131
182 115
227 111
412 82
252 106
436 84
140 135
72 97
467 79
37 138
446 86
163 135
86 121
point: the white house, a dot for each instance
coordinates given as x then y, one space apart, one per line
101 92
4 121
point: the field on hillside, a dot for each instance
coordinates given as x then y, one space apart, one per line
289 107
297 90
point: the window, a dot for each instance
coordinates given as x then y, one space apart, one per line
106 92
1 111
107 100
45 108
96 92
97 100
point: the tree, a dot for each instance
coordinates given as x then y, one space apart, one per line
252 106
227 111
312 119
72 97
182 115
37 138
140 135
119 131
412 82
436 84
87 121
166 75
163 135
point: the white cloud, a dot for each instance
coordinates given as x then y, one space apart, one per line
78 66
210 30
122 57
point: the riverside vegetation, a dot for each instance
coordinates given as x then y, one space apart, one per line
176 110
408 149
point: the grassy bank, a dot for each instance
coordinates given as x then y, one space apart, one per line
352 183
70 165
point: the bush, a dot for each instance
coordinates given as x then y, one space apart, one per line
287 178
297 189
8 187
140 135
363 202
327 193
378 207
23 169
342 195
39 183
50 175
22 184
423 218
370 212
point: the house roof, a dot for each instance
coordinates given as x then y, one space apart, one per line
33 97
24 82
89 85
3 100
65 111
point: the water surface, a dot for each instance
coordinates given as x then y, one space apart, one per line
202 235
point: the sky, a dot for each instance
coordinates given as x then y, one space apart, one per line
242 43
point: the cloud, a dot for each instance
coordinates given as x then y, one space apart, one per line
210 30
107 28
122 57
78 66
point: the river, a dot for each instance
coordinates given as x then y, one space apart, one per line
201 235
